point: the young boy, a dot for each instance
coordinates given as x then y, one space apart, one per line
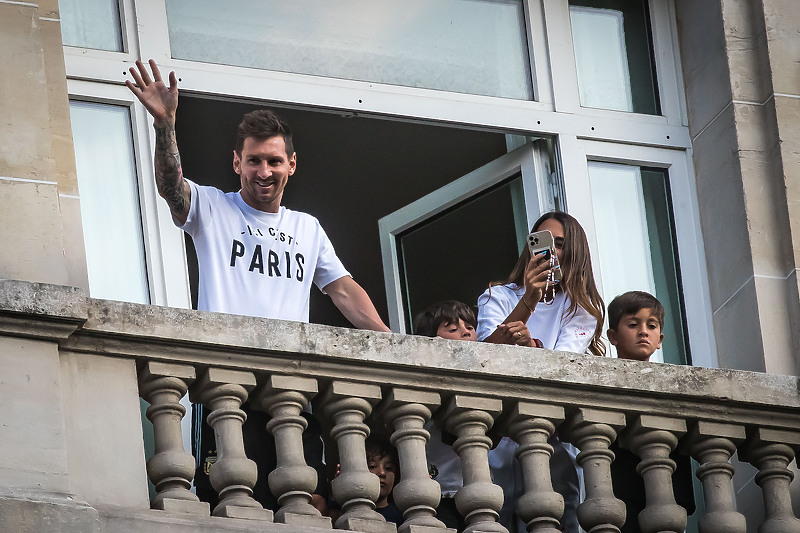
382 461
456 321
449 319
635 321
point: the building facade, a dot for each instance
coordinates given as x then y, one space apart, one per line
668 128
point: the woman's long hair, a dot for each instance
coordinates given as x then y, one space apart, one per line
577 279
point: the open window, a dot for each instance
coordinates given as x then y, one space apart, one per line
644 234
451 243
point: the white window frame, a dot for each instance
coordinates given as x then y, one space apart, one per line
577 153
556 112
523 160
164 246
665 44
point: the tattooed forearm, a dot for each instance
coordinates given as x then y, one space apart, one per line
167 163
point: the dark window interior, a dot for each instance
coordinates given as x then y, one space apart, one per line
351 171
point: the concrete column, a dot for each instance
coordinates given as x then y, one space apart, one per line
713 444
405 412
531 425
347 404
593 431
43 422
292 481
739 68
170 469
771 451
42 233
233 475
469 418
653 438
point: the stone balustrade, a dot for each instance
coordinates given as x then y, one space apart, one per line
71 429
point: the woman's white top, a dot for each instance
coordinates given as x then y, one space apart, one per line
551 324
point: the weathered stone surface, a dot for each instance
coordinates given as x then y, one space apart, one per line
100 392
124 329
32 432
34 512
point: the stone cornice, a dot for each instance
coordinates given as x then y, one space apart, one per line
40 310
274 346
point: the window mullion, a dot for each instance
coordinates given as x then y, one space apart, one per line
562 59
662 17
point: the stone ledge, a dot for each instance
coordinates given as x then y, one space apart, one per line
46 512
122 520
276 346
41 310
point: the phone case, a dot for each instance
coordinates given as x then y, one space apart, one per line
542 241
539 241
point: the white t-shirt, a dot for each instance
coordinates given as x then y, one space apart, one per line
551 324
255 263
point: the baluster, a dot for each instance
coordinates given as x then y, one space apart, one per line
713 444
170 469
479 500
771 452
417 495
233 475
356 488
593 431
531 425
292 481
653 438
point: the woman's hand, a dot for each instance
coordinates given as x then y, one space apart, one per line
514 333
535 279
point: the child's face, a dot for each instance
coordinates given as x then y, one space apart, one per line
384 468
460 331
637 335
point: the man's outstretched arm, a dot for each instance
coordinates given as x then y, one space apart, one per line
161 101
354 303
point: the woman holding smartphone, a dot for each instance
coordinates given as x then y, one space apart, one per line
531 305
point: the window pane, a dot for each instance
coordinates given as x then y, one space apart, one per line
635 240
613 55
455 255
91 24
109 198
467 46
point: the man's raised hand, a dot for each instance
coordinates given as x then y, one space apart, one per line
159 100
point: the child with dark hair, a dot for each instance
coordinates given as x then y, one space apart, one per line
453 320
449 319
382 460
635 321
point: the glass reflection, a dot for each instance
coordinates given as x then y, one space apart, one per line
466 46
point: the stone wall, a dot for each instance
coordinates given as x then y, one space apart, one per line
743 98
42 237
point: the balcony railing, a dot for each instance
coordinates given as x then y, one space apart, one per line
71 431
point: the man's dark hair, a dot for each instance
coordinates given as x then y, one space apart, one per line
448 312
262 124
631 303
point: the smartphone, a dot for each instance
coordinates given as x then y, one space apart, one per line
542 242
